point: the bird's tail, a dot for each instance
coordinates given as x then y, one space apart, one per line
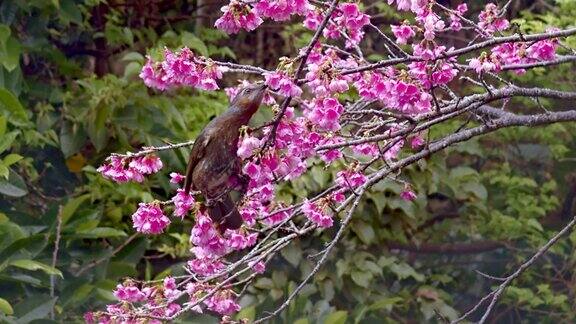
225 214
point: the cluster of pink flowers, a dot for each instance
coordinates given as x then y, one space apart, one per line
416 6
486 63
150 219
222 302
408 96
281 10
524 53
181 68
183 202
350 179
366 149
318 213
322 73
324 113
403 33
238 15
491 19
455 21
430 75
129 293
282 82
348 19
124 169
209 244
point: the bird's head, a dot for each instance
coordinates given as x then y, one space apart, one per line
249 98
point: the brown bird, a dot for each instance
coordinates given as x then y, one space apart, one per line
214 167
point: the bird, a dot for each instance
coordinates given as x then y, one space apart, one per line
214 168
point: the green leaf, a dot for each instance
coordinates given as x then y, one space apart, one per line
364 231
133 57
69 12
3 125
403 271
80 294
361 278
10 55
37 307
7 140
194 43
264 283
292 253
35 265
11 104
5 307
132 69
5 33
386 303
338 317
100 232
71 207
14 186
11 159
248 313
72 138
4 171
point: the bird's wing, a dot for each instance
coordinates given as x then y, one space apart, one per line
198 152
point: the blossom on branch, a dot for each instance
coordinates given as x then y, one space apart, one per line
237 16
150 219
283 83
281 10
124 169
491 19
181 68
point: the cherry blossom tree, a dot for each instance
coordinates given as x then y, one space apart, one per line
368 137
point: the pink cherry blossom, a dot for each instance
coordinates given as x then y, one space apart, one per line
150 219
348 19
237 16
324 113
403 33
147 164
176 177
366 149
416 142
491 20
281 10
124 169
248 145
181 68
317 214
394 150
222 303
128 293
485 63
257 267
183 202
350 179
408 195
282 83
